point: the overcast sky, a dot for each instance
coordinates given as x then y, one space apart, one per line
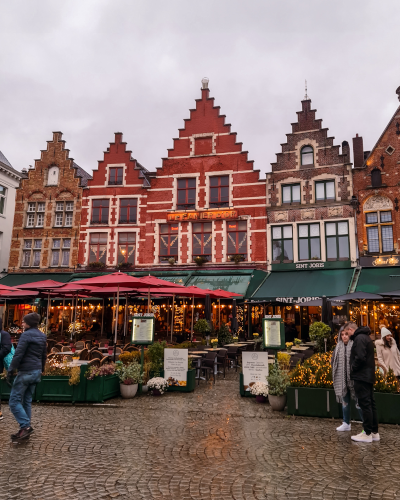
94 67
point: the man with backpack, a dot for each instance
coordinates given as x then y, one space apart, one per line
5 350
29 359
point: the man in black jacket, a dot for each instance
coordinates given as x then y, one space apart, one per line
5 349
29 359
362 372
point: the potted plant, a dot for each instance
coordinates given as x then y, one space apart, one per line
96 265
171 261
289 346
124 265
260 391
202 327
278 381
214 343
157 385
236 258
129 377
156 357
200 260
297 341
235 340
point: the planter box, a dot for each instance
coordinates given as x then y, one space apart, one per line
313 402
101 388
243 393
388 407
190 384
57 388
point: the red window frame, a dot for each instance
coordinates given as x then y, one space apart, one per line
100 210
186 198
126 240
219 191
101 242
202 239
115 176
168 241
237 238
130 204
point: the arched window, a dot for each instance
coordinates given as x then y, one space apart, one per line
307 155
376 178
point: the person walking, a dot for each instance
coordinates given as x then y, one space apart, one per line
342 385
5 349
362 372
29 359
387 352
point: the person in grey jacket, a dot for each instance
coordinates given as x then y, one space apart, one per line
5 349
29 359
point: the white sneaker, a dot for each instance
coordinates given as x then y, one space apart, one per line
376 436
362 438
344 427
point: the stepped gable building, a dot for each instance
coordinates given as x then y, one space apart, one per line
114 211
206 204
377 197
310 218
47 213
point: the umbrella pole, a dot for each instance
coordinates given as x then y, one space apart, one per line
102 319
62 316
167 317
116 324
74 316
148 301
47 317
219 313
191 330
173 316
113 315
126 315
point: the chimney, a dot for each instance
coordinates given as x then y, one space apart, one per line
346 151
204 83
358 151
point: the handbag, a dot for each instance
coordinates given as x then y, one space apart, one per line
7 360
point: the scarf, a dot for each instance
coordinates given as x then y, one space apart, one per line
341 361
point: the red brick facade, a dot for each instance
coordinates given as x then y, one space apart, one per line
376 188
311 181
48 212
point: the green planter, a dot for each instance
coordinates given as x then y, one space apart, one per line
5 389
388 407
313 402
190 384
57 388
101 388
243 393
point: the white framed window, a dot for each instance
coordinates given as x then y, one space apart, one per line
31 207
3 193
61 252
30 221
35 214
64 213
31 253
39 220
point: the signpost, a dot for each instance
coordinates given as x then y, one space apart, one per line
254 367
142 334
273 333
176 366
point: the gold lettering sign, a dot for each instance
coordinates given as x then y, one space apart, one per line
390 261
220 214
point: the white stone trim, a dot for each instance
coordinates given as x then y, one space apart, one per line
198 136
207 186
234 172
199 156
248 206
324 177
214 243
124 172
175 188
259 183
249 198
224 241
306 142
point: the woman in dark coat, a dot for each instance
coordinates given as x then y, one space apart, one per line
5 348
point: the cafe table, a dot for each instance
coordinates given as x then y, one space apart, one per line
78 362
300 348
67 353
235 345
212 349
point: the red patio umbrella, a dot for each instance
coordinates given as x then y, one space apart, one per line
5 287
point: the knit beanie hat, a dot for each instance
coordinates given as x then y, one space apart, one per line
384 332
32 319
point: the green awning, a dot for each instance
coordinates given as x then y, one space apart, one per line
242 282
378 280
300 286
15 279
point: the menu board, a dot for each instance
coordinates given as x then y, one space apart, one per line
273 334
142 330
255 367
176 366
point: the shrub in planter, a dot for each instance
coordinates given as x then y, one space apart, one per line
320 331
278 381
100 371
102 383
129 376
171 261
236 258
388 383
200 260
96 265
202 327
156 356
224 335
124 265
157 385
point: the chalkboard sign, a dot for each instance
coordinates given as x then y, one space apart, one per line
273 333
143 330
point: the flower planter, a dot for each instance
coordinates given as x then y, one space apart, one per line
261 399
313 402
128 391
243 393
101 388
277 403
156 392
190 383
388 407
57 388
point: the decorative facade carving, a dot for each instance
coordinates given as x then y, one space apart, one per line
335 212
308 214
281 216
378 203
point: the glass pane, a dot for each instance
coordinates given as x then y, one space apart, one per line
373 239
173 245
242 243
214 181
56 243
331 251
343 228
314 229
3 190
276 233
286 197
191 196
225 180
276 250
181 197
344 247
40 220
93 253
102 253
192 182
231 243
38 244
288 249
28 244
36 259
59 219
181 183
371 218
303 231
196 243
320 190
174 229
31 220
67 243
303 249
40 207
26 258
287 231
2 200
103 238
123 214
196 227
65 258
207 227
307 156
387 238
69 206
330 228
207 242
224 194
232 226
94 238
31 207
55 258
59 206
242 225
315 248
386 216
296 193
330 190
68 219
214 195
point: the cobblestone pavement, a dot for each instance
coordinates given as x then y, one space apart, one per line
210 444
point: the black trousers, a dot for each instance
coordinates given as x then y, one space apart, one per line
365 395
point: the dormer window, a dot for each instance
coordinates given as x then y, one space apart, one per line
53 176
307 155
115 178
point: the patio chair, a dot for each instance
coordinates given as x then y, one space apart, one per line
80 345
58 346
104 361
207 365
294 359
132 348
54 350
96 355
233 354
65 348
84 354
94 362
222 358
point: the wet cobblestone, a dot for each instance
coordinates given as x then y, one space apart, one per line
210 444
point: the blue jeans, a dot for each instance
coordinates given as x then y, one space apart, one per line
21 396
346 408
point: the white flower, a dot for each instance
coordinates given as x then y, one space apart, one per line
158 383
259 389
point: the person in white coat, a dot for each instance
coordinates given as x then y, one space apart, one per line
387 352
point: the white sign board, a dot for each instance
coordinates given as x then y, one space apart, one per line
272 333
176 366
255 367
142 330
